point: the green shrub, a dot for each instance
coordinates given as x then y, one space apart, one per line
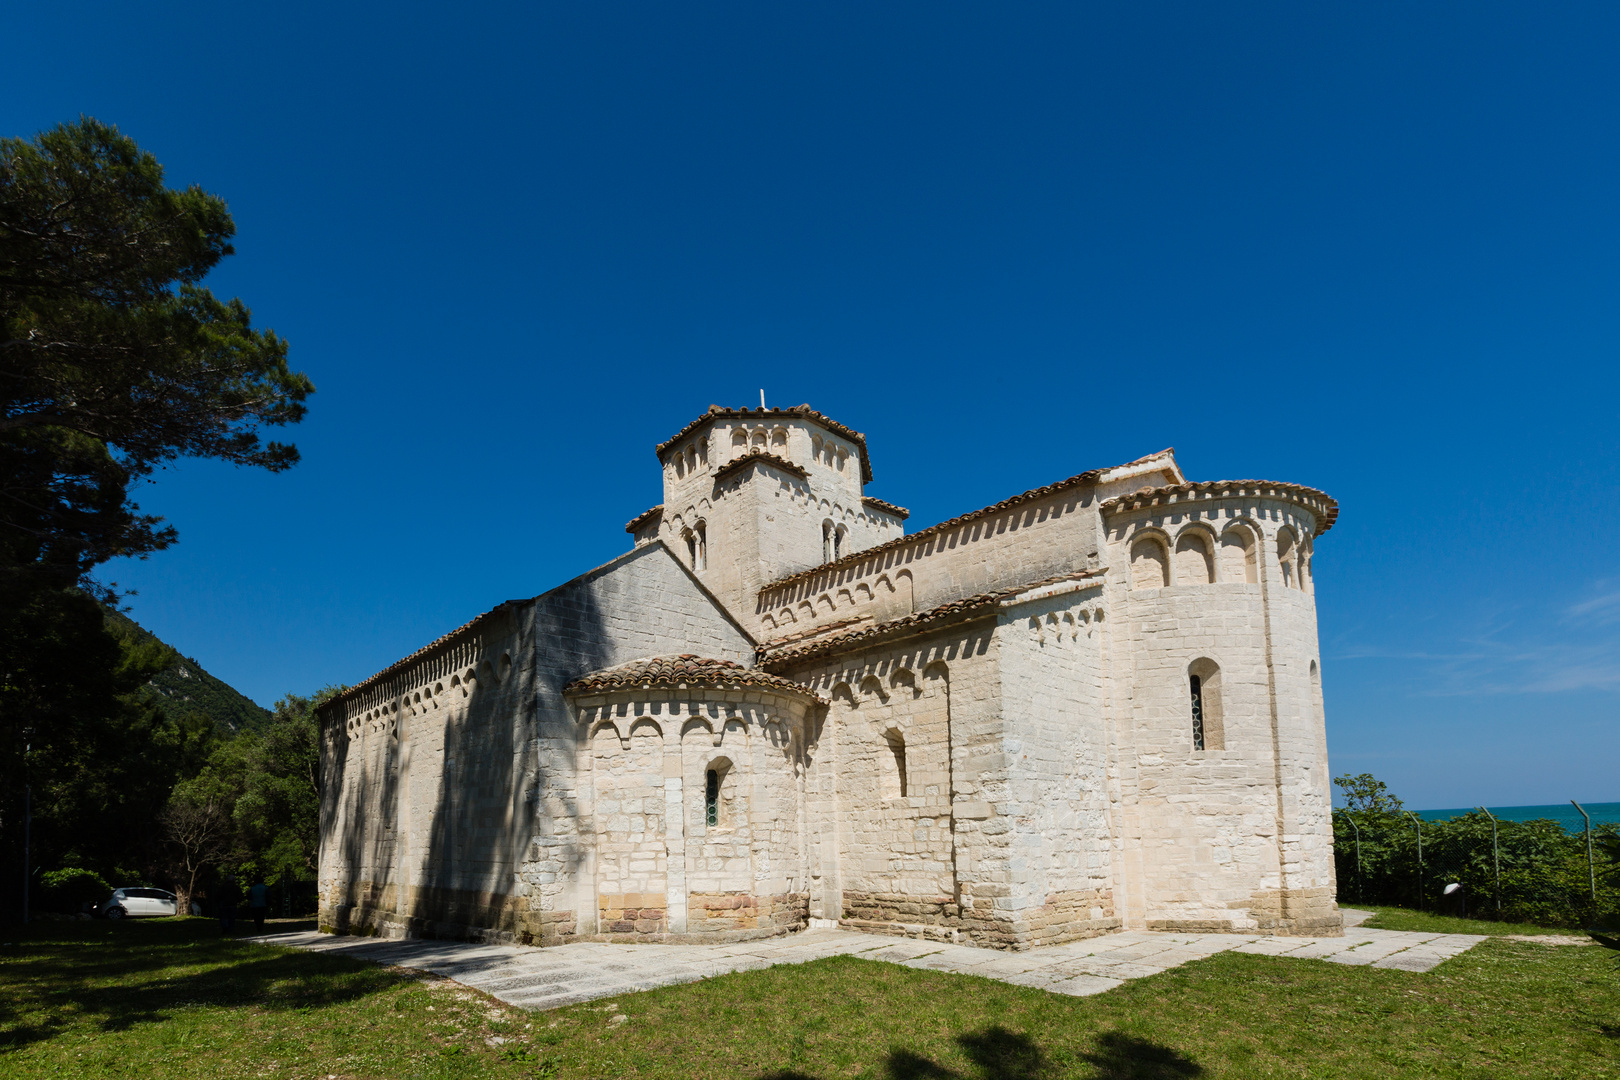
69 889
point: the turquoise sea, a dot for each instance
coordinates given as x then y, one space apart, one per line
1566 815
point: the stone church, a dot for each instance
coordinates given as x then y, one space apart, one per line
1094 705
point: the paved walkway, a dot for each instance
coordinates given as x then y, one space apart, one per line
533 978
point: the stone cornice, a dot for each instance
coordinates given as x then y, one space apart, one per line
801 412
1323 507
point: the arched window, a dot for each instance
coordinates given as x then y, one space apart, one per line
691 547
1287 558
838 541
739 440
1204 690
779 439
827 541
759 438
711 798
1150 566
1195 564
700 549
894 785
843 459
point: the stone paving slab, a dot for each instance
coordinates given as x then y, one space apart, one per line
533 978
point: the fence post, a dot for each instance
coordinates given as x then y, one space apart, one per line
1419 827
1496 860
1591 871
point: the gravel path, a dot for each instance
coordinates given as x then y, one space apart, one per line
532 978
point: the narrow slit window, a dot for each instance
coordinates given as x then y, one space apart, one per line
711 799
1197 686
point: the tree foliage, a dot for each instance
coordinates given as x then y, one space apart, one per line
113 358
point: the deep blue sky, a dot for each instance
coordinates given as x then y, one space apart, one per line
1371 248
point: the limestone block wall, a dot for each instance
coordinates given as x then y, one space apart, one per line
463 819
1053 656
1045 533
932 862
750 525
1232 835
657 869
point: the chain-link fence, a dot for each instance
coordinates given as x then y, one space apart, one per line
1515 871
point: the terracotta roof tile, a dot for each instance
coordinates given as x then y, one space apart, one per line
1090 476
1319 503
760 457
774 654
636 522
887 507
805 412
686 670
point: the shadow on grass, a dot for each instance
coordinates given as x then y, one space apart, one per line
119 975
1000 1054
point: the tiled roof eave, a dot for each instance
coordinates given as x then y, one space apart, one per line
886 507
407 661
857 557
952 613
804 412
636 522
1322 505
760 457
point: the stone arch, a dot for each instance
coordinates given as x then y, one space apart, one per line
641 723
768 620
1150 561
807 610
785 617
779 438
1204 696
904 592
894 769
1288 558
871 687
1238 555
607 725
1195 556
903 679
824 604
718 796
739 440
863 593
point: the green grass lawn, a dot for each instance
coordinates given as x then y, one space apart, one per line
171 999
1394 918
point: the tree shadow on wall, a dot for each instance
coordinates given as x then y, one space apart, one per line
1000 1054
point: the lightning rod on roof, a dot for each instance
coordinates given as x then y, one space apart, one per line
762 397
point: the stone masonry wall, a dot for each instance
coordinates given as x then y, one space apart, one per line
464 820
1230 837
1056 743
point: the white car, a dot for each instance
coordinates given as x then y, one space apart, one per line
133 903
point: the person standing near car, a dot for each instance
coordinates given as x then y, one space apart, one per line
226 896
258 903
